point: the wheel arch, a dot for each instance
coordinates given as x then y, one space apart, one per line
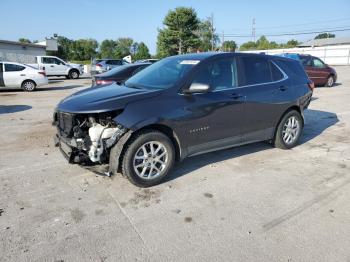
293 107
170 133
118 154
31 80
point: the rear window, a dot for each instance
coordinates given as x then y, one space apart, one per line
13 68
256 70
114 62
1 67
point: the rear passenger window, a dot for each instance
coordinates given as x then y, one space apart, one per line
276 73
114 62
13 68
219 75
256 70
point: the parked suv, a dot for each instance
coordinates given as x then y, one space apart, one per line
183 106
319 72
102 65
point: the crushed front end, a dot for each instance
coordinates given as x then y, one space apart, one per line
87 139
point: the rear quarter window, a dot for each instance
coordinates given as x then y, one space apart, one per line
293 69
276 72
13 68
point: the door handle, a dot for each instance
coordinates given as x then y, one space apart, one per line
22 74
52 66
236 96
282 88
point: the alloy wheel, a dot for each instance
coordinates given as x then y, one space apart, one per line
291 130
150 160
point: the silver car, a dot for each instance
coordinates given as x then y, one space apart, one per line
102 65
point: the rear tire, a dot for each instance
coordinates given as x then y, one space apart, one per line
73 74
149 157
28 85
330 81
289 130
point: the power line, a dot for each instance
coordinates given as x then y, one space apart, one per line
292 25
293 33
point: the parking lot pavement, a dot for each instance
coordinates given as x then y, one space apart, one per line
252 203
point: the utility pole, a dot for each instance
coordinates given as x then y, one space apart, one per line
223 40
212 31
253 30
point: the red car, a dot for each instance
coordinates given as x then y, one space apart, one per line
319 72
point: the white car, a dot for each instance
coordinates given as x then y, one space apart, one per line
15 75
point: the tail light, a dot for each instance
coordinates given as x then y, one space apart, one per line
98 65
103 82
311 85
42 73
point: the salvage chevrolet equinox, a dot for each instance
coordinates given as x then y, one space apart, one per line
183 106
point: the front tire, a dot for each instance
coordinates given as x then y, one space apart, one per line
330 81
289 130
28 85
73 74
149 157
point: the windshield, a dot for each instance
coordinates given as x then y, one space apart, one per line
163 74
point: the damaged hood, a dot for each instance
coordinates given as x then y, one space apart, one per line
103 99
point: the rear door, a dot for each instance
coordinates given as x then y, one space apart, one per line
13 75
319 70
266 90
315 69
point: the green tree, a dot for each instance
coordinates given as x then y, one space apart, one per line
325 35
108 48
292 43
64 48
206 33
84 49
262 43
24 40
179 34
124 46
229 46
142 52
248 46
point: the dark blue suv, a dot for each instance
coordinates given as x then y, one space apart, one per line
183 106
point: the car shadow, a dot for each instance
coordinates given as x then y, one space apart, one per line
64 78
316 122
53 81
8 109
55 88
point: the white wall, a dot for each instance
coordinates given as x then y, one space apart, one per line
332 55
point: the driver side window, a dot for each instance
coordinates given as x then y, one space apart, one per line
220 74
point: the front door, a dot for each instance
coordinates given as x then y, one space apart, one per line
53 66
216 116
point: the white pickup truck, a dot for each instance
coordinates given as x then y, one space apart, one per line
55 66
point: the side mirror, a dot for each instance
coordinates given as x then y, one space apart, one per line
197 88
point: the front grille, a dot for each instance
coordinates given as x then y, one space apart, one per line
65 122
